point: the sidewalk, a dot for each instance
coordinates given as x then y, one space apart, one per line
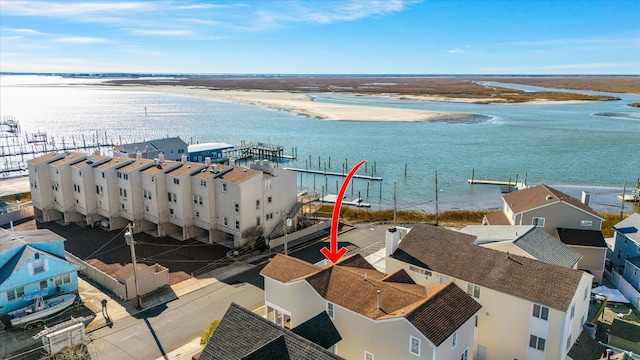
117 309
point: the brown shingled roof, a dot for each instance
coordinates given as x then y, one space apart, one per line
452 253
187 168
239 175
70 158
496 218
541 195
45 158
436 310
137 164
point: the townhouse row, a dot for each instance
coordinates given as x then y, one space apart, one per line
213 203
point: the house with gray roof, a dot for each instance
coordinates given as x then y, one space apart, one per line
554 211
528 241
172 148
530 309
626 256
242 334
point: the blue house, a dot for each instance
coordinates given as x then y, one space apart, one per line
31 261
199 152
627 241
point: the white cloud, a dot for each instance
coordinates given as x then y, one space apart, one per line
81 40
52 8
162 32
455 51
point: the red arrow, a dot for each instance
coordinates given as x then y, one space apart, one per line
334 254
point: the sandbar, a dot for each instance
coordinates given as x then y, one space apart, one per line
304 105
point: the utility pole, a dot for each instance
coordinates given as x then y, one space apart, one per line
128 238
285 221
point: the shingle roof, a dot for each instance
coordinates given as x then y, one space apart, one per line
452 253
46 158
496 218
630 227
136 165
187 168
625 330
164 166
115 162
544 247
91 160
541 195
157 144
591 238
70 158
436 310
214 170
320 330
242 334
239 175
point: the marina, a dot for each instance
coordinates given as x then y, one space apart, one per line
332 173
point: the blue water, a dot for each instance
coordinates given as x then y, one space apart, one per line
560 145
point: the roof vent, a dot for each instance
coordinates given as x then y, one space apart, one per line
549 197
378 292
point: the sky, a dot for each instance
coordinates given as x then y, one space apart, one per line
321 37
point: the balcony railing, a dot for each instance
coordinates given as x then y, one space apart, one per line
81 210
201 224
174 220
127 215
152 218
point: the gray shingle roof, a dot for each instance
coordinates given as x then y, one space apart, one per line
242 334
452 253
544 247
320 330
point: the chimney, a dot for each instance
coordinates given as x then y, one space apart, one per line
138 155
391 241
183 158
156 162
161 157
232 162
586 197
207 161
378 293
215 168
96 151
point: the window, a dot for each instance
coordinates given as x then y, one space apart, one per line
454 339
537 221
153 179
368 355
536 342
236 207
257 204
103 174
237 225
582 320
198 199
43 284
203 183
146 208
258 221
330 310
126 176
540 312
224 187
119 175
420 270
414 345
476 325
62 279
225 221
269 216
586 223
14 294
465 354
80 173
99 190
569 342
176 181
38 266
585 293
473 290
172 197
269 199
197 214
573 310
267 185
171 213
146 194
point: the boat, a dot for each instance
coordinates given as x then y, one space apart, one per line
40 308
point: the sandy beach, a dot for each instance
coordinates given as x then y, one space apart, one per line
303 104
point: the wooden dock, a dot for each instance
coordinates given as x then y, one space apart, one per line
331 173
357 202
257 150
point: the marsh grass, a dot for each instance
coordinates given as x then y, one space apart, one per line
451 218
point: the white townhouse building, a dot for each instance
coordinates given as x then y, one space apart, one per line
377 316
530 309
41 188
183 199
107 190
154 198
84 192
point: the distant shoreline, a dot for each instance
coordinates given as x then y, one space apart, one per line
304 105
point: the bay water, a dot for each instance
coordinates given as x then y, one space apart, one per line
568 146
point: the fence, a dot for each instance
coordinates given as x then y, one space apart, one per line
291 238
625 288
17 213
99 277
